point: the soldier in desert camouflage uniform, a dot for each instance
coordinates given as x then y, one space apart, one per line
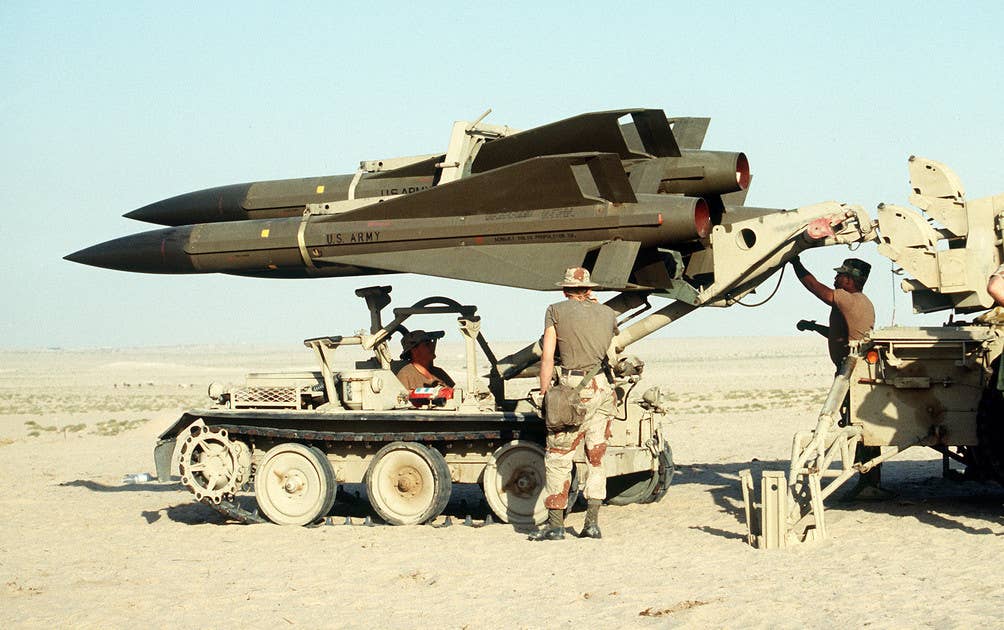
581 330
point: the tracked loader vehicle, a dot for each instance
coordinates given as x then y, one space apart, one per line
295 437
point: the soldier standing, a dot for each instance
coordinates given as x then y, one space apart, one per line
581 330
851 317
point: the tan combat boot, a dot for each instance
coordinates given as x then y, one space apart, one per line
555 529
591 528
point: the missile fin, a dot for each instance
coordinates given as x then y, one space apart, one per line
737 198
522 266
646 177
615 262
552 181
590 132
690 132
655 133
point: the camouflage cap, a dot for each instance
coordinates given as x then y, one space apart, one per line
855 268
415 337
577 277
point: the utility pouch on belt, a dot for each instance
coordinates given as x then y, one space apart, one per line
563 408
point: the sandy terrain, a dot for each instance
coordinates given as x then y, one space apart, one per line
78 548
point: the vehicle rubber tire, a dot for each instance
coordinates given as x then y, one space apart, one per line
631 488
667 469
648 486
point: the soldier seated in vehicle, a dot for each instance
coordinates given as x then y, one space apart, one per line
418 347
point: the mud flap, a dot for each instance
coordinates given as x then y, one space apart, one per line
163 453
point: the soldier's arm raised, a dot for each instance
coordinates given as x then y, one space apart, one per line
809 281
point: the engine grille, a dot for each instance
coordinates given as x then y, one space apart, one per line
274 397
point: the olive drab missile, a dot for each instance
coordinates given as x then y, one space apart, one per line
648 135
627 193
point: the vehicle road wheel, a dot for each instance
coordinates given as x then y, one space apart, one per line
408 483
513 481
295 484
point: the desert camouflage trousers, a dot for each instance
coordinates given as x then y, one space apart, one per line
600 402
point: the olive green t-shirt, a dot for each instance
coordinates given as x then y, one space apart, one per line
584 331
851 317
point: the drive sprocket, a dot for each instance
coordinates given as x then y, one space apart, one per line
212 466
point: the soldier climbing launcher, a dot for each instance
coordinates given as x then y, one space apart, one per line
930 386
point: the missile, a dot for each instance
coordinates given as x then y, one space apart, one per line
518 225
659 154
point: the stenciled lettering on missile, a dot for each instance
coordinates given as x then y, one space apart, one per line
507 216
387 192
557 213
548 214
534 238
348 238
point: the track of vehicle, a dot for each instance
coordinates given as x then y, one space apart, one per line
357 427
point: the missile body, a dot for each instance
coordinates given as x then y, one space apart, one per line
272 199
647 148
328 246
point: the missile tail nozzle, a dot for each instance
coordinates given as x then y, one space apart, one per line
742 171
702 218
682 219
157 251
705 173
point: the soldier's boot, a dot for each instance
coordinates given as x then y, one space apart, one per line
591 528
555 529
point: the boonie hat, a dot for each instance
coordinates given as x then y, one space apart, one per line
577 277
855 268
415 337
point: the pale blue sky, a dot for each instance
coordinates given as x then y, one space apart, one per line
108 106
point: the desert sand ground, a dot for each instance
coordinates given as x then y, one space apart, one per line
78 548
